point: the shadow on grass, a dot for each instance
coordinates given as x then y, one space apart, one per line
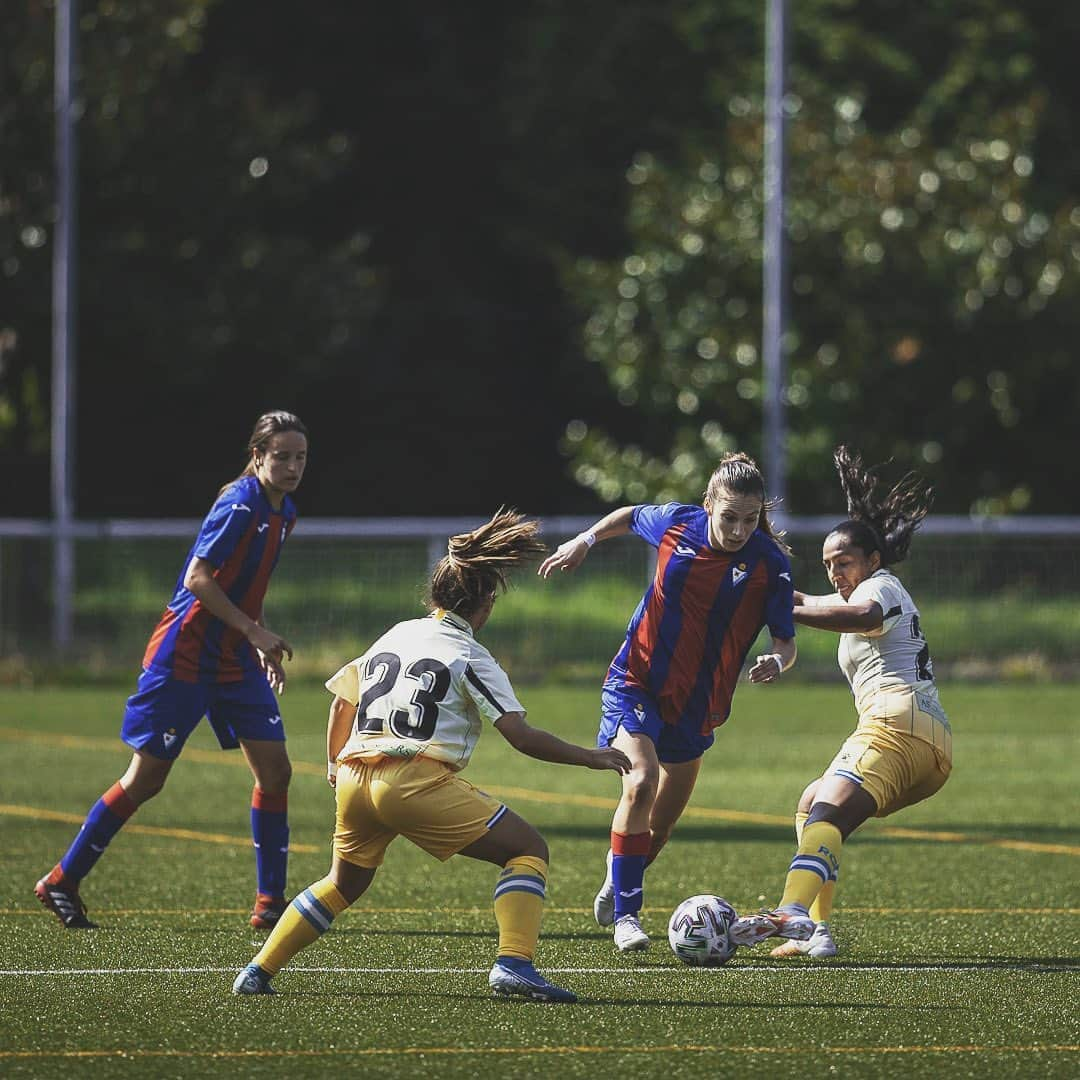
785 1005
491 933
685 832
599 1002
1037 964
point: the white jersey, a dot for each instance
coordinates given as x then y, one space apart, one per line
894 659
424 688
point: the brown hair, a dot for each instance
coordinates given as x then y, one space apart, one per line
266 427
475 566
884 525
738 474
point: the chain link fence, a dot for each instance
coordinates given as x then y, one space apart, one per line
996 603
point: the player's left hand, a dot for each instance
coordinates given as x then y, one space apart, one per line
272 669
766 669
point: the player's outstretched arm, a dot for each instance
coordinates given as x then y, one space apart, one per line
571 555
542 745
841 617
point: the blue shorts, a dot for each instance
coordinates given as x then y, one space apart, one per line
164 711
639 714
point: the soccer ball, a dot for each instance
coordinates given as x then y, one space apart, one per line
698 931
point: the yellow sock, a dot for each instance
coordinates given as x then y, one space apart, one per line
519 905
815 863
307 918
821 909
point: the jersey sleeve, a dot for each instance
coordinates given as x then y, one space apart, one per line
228 520
779 606
488 686
346 682
885 591
651 522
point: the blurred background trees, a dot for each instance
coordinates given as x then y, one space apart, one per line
511 253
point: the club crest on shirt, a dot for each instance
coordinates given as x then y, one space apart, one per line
738 574
639 712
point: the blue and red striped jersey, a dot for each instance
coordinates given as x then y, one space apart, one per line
688 639
241 538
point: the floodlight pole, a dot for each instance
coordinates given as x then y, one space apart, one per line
64 309
773 261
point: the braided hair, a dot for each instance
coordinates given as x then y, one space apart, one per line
885 525
476 563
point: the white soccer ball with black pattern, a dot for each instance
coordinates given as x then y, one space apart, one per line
698 931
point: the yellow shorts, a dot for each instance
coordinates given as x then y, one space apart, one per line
895 770
423 800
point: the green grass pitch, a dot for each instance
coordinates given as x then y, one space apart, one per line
957 919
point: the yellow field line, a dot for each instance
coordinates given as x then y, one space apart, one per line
37 814
466 1051
701 813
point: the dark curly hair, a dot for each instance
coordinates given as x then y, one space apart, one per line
884 525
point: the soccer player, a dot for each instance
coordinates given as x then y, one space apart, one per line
721 575
211 655
403 723
901 750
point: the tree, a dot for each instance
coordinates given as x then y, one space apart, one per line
933 270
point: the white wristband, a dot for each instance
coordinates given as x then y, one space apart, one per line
588 537
779 661
331 770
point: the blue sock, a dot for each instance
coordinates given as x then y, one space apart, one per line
270 833
104 821
628 855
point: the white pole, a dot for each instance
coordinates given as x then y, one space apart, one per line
773 270
64 322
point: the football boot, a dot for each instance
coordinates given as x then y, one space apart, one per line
65 903
513 977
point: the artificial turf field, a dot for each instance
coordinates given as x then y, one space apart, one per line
957 919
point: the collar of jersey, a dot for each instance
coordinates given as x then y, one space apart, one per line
455 621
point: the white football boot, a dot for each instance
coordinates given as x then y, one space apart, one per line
629 937
751 929
603 905
818 946
253 980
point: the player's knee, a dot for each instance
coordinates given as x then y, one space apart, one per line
806 800
274 779
639 785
